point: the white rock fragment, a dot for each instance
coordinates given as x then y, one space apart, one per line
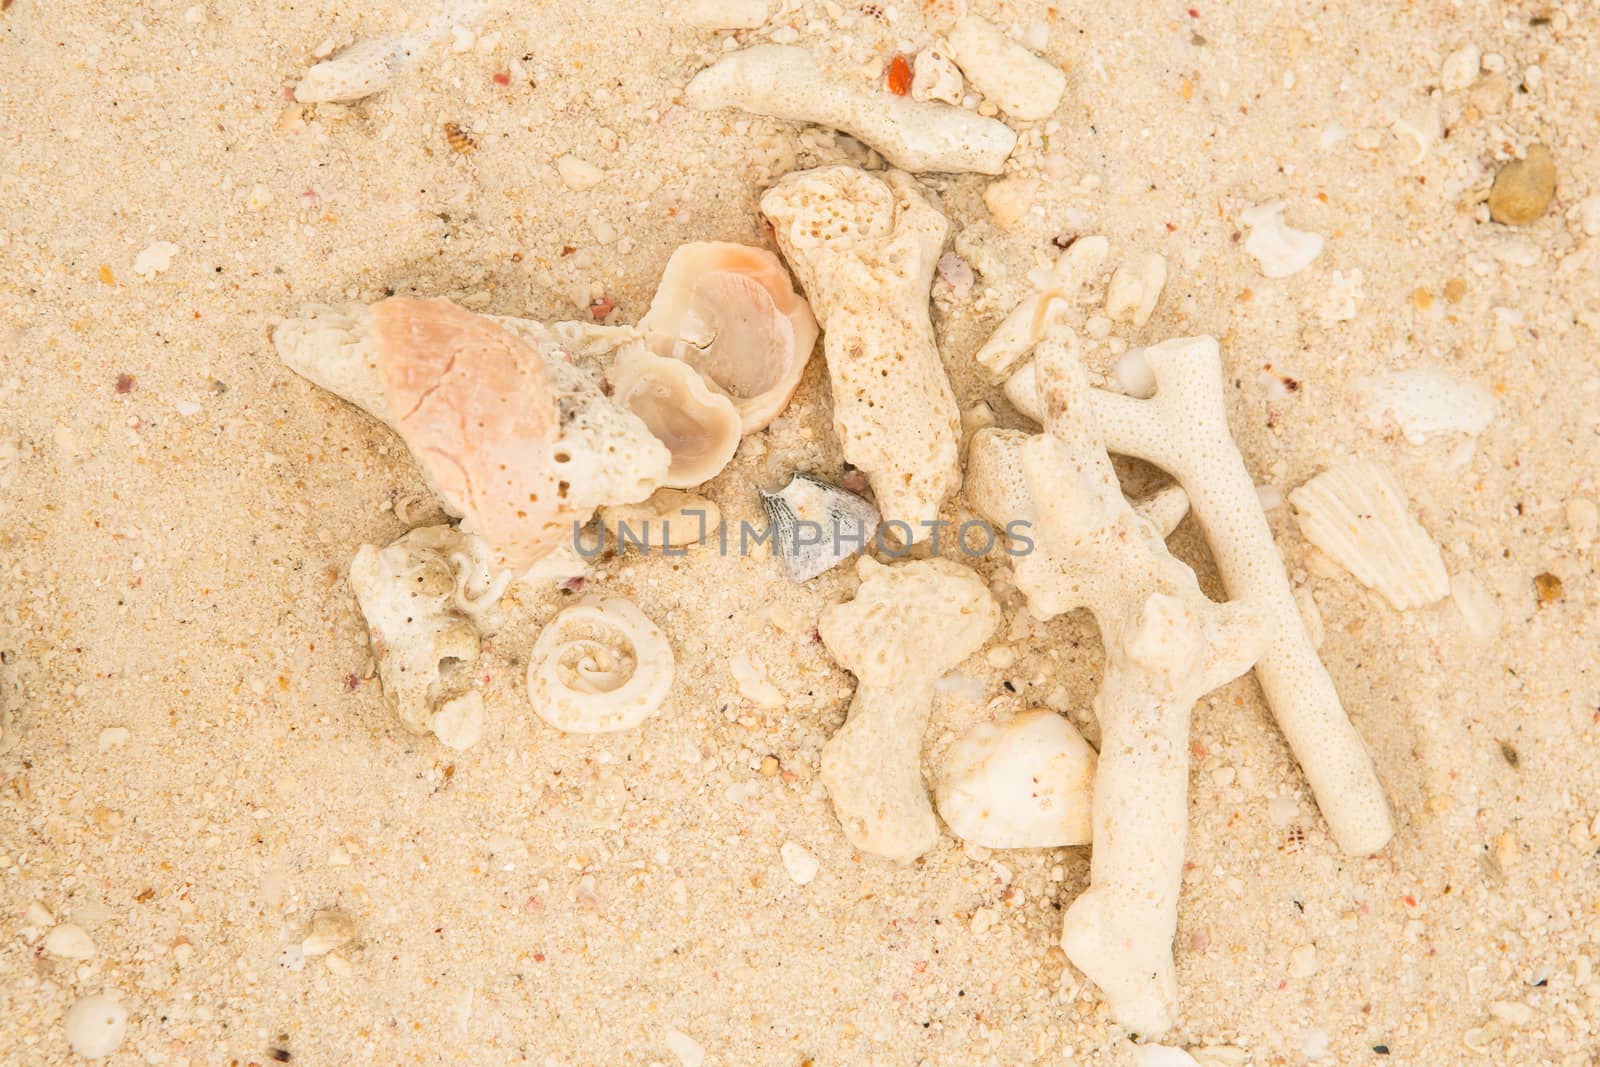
1021 84
1303 961
327 931
187 408
1479 609
69 942
459 722
800 864
1135 287
1425 402
1358 515
1024 783
113 736
935 76
1460 69
784 82
462 39
578 174
690 1052
96 1025
726 14
155 259
751 677
1280 250
599 666
1341 297
365 68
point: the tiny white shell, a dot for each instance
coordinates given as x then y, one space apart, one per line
1357 513
599 666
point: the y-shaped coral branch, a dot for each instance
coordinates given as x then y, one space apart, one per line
906 626
1183 429
1166 646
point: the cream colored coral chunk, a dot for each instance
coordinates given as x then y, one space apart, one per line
906 626
599 666
784 82
864 249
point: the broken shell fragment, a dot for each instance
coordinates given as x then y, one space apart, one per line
1424 402
599 666
700 428
817 525
1357 514
731 313
1280 249
364 68
1024 783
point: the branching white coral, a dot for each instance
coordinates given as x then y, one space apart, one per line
1023 783
420 597
599 666
1166 646
1183 429
865 249
906 626
784 82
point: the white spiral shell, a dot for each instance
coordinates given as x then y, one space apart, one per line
599 666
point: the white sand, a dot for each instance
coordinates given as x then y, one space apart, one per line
171 559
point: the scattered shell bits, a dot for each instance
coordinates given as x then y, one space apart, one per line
1357 513
599 666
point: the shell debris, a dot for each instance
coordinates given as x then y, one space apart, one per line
1357 513
817 525
1279 248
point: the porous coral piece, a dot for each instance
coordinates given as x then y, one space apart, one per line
1357 513
1166 646
1023 783
784 82
1183 429
364 68
599 666
906 626
865 249
514 437
419 596
730 312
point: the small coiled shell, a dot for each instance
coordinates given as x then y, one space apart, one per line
731 313
599 666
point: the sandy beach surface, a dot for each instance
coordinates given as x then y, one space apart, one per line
196 759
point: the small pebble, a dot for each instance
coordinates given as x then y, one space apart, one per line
155 259
1523 188
328 930
112 736
579 174
69 942
1009 199
690 1052
1548 586
1303 961
96 1025
1460 68
801 864
459 722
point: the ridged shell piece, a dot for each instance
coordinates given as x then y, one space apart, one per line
1358 515
599 666
731 313
699 427
817 525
